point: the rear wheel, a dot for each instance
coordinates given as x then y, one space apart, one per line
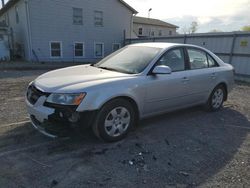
216 98
114 120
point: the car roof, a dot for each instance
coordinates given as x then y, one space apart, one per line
162 45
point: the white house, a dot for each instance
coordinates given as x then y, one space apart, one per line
148 27
67 30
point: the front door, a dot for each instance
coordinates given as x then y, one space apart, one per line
168 91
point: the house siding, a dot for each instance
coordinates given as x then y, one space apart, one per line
18 31
53 21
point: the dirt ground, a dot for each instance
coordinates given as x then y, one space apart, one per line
188 148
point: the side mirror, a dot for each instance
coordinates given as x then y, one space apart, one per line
162 69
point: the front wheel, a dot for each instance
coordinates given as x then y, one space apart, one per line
216 99
114 120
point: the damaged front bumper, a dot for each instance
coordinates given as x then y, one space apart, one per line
56 120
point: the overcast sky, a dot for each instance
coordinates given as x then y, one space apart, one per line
224 15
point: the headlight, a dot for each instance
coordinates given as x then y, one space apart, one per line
66 99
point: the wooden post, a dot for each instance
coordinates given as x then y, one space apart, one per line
232 49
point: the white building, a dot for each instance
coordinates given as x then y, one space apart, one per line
148 27
67 30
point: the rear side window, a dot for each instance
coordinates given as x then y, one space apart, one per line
211 61
198 59
174 59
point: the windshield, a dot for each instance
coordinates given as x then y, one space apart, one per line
130 59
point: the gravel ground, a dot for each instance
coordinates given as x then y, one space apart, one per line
188 148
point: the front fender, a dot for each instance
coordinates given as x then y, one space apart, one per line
94 100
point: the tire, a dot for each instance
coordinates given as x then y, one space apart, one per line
216 99
114 120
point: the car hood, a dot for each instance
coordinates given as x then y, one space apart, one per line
84 75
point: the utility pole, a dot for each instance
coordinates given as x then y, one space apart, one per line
3 3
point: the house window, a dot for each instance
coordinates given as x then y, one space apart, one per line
170 32
17 14
77 16
140 31
79 49
160 33
116 46
98 18
153 33
55 49
99 50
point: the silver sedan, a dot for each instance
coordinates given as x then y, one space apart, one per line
135 82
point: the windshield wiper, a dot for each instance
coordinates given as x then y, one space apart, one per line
113 69
108 68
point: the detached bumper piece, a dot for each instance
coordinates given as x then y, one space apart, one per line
55 120
63 122
42 129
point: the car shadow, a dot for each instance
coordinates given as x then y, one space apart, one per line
184 148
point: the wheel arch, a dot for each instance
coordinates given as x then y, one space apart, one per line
130 100
224 85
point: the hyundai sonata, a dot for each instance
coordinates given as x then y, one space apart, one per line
135 82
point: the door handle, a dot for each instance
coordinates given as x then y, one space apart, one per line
213 75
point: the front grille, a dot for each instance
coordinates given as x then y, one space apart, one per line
33 94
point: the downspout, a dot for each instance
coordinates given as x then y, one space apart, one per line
28 29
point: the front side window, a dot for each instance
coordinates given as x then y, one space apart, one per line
197 59
79 49
55 49
174 59
77 16
98 19
99 50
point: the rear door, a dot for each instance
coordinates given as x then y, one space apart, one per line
202 75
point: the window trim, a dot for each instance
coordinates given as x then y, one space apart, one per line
160 33
98 11
140 34
61 50
83 49
102 43
115 44
150 72
73 16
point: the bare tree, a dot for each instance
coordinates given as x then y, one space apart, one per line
194 27
185 30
